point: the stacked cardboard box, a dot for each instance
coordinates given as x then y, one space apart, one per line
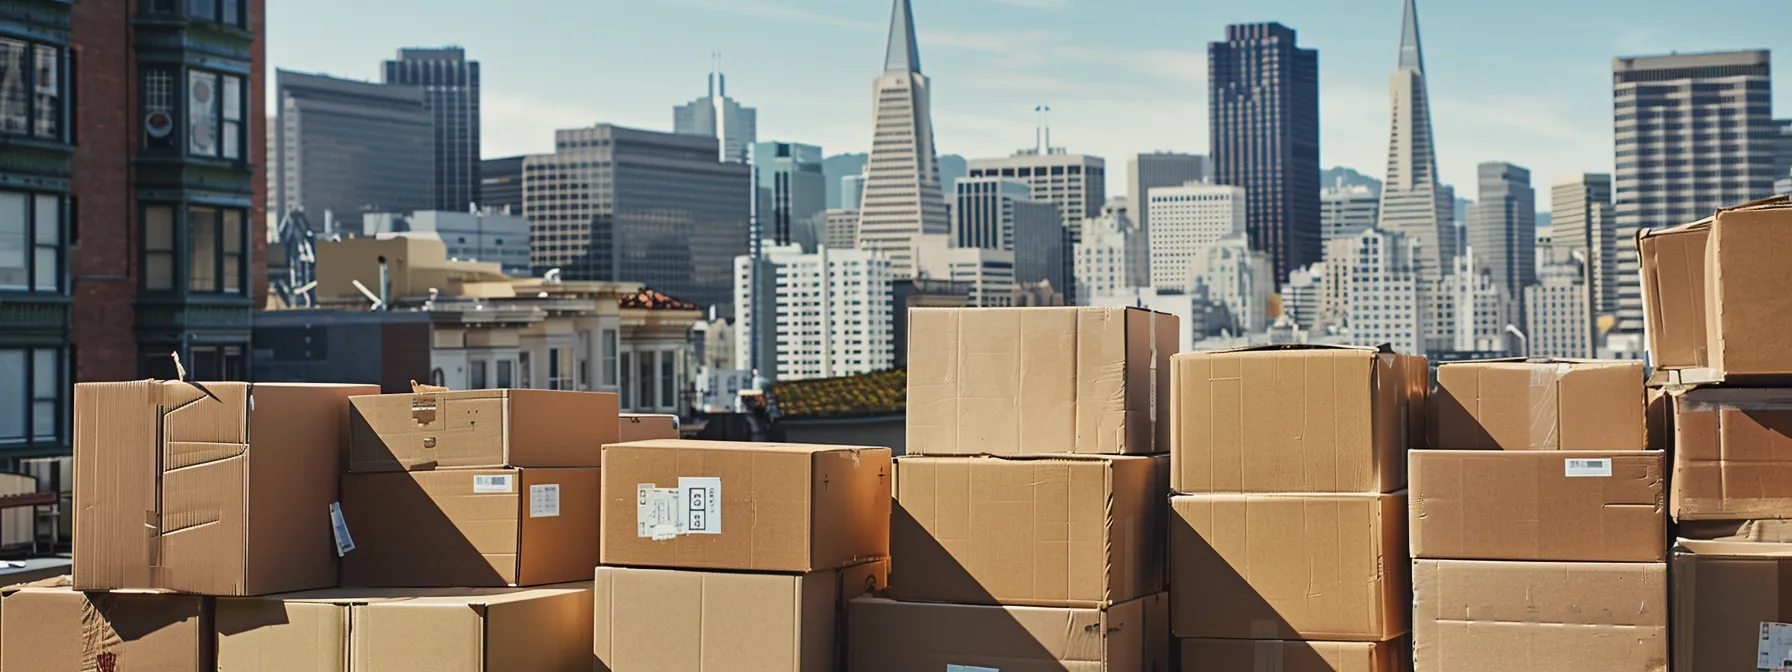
1288 530
1029 513
1538 528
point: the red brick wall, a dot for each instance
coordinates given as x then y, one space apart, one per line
258 152
104 264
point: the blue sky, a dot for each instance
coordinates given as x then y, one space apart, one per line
1526 81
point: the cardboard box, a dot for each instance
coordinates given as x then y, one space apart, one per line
647 427
545 629
767 507
669 620
891 636
1069 532
1019 381
1542 404
1319 567
1716 297
1673 278
215 489
1243 655
1527 505
481 429
49 627
1290 419
1481 616
1760 531
1729 602
471 527
1732 454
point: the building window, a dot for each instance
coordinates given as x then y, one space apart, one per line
214 362
526 370
215 250
30 242
31 396
31 89
610 345
646 378
560 374
668 386
228 12
506 373
158 108
158 248
476 374
627 400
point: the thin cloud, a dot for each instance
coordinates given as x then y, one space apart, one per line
774 10
1045 5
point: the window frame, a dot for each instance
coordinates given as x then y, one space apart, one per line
33 244
219 254
59 399
220 11
30 69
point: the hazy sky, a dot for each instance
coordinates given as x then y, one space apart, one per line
1526 81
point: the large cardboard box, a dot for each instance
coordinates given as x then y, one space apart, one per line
481 429
1319 567
1731 601
546 629
671 620
49 627
471 527
647 427
1482 616
1017 381
1543 404
1716 296
1290 419
1673 270
1527 505
1070 532
769 507
891 636
211 488
1732 454
1244 655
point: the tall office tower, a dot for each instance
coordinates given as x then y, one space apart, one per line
720 117
1582 219
852 191
1159 169
1556 310
450 86
902 199
1000 214
793 194
1412 202
501 184
1471 310
829 313
1263 102
349 147
1076 183
1112 257
987 275
1783 185
621 204
1782 163
1503 230
1189 218
843 229
1347 210
1301 296
1694 134
1379 287
1230 273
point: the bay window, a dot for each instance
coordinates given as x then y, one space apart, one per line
158 248
31 396
32 87
215 111
30 242
215 250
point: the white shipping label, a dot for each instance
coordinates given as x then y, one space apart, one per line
492 483
1588 468
344 543
544 500
970 668
702 504
1775 652
656 512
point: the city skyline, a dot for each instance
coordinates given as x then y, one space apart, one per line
1115 90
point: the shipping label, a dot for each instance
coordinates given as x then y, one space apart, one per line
656 512
970 668
544 500
492 483
702 505
694 507
1588 468
1775 651
339 528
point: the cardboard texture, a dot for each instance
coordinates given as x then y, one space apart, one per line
1734 330
1732 454
891 636
1243 655
1539 405
481 429
1077 532
546 629
1290 419
1525 505
214 489
471 527
1481 616
1320 567
1673 270
771 507
49 627
1725 595
647 427
667 620
1019 381
1768 531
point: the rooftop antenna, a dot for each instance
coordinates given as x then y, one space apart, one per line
1042 134
717 85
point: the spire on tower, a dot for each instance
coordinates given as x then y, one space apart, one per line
902 55
1411 55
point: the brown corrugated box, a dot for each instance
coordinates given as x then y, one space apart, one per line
1322 567
546 629
481 429
215 489
1727 598
1017 381
772 507
1673 270
1527 505
49 627
1290 419
1494 616
1775 531
669 620
1244 655
647 427
1075 531
1716 295
891 636
471 527
1542 404
1732 454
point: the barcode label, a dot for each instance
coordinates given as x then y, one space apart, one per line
492 483
1588 468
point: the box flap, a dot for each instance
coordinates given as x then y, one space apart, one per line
1673 279
1748 307
481 429
1540 405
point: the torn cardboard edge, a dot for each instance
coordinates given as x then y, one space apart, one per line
1732 549
1385 348
1702 399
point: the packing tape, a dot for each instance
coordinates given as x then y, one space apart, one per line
99 641
1760 400
1267 656
1545 404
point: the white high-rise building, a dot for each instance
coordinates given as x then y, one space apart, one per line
1472 309
989 274
1230 273
1160 169
1412 202
1075 183
902 197
1001 214
738 125
1345 211
1376 277
1186 220
1302 294
1556 312
832 312
1112 256
843 229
